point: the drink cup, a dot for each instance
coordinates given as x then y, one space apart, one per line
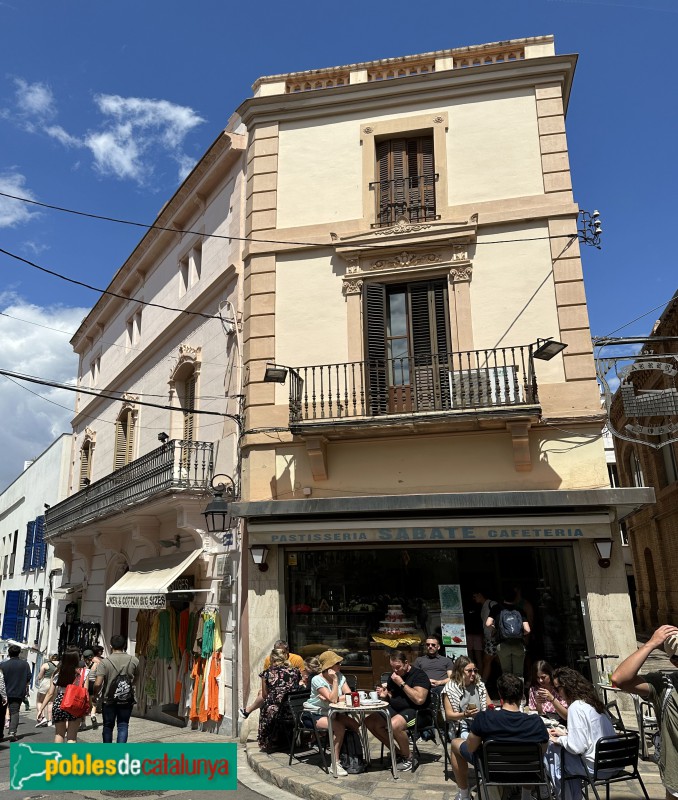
374 696
363 696
472 706
355 699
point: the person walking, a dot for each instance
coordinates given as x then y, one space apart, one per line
116 676
93 658
44 681
65 724
17 675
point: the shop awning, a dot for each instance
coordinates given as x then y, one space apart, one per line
67 589
146 585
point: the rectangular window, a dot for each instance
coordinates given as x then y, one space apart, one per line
124 439
183 276
94 370
407 341
190 269
405 189
196 263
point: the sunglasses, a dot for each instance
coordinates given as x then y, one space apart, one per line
471 671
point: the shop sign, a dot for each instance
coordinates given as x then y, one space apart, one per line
461 533
136 600
183 584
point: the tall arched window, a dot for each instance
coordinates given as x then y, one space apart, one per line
184 387
635 470
124 437
186 393
85 464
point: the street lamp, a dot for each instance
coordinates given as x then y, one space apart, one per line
259 553
604 550
218 514
548 348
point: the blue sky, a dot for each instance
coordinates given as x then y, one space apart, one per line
104 106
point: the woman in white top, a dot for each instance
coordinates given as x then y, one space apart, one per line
464 696
587 722
327 687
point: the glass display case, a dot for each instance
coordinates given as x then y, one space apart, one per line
346 633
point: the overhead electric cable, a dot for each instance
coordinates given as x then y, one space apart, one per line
80 390
230 237
104 291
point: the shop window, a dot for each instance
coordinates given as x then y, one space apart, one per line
407 339
405 189
124 438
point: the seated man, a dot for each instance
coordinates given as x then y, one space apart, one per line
295 661
509 724
407 690
438 668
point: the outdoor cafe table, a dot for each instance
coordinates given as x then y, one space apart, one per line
361 712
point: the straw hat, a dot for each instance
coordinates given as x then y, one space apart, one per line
329 659
671 645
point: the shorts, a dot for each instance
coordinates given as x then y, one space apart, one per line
408 714
490 647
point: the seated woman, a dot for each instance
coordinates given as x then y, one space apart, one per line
543 696
587 722
327 687
464 695
310 670
276 683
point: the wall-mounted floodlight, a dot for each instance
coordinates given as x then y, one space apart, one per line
548 348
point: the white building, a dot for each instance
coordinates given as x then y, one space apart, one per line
30 572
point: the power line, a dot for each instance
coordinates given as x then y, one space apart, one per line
103 291
80 390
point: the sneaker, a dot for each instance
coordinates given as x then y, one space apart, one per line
244 714
95 723
341 772
405 765
12 737
49 724
40 723
460 796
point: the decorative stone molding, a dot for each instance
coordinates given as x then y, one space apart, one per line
316 447
353 287
406 259
403 227
367 129
458 274
438 119
90 436
353 265
520 430
187 355
459 252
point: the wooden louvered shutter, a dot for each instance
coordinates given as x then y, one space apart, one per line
189 405
85 464
120 451
399 179
131 424
375 348
28 547
430 344
384 187
427 172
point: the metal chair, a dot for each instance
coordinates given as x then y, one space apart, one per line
647 723
617 755
304 722
352 681
510 764
614 714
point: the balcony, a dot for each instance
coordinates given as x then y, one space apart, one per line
496 382
177 464
410 199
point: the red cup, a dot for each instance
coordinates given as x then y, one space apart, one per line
355 699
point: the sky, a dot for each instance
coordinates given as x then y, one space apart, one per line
105 107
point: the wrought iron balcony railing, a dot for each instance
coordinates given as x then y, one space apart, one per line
175 464
412 199
448 382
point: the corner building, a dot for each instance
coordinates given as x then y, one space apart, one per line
412 236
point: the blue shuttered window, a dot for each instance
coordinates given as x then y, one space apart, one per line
39 555
28 549
15 618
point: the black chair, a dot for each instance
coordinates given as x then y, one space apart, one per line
614 714
304 722
647 723
352 681
614 754
511 764
412 731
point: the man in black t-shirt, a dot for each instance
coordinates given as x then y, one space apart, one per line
407 691
508 725
17 674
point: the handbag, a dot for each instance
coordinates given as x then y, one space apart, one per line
76 698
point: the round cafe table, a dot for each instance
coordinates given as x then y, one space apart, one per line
362 711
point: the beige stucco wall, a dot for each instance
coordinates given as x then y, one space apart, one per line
492 149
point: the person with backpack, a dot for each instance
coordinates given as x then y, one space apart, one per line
510 627
661 688
116 676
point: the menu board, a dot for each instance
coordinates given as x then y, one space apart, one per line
452 620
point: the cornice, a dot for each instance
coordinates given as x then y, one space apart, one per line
429 87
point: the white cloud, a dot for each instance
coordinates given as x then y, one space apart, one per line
34 99
31 423
136 129
62 136
14 212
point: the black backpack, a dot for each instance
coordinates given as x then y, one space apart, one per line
351 757
510 624
120 691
